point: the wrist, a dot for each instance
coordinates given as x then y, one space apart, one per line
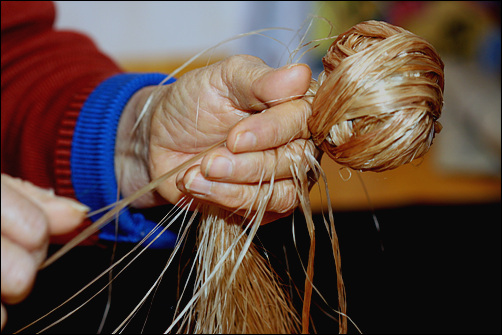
93 153
131 148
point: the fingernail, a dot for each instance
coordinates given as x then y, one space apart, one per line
245 141
75 204
48 194
219 167
198 185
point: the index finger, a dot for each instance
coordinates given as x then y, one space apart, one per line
274 127
23 221
62 215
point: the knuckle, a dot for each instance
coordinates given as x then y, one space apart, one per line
239 59
264 163
285 198
239 200
232 62
233 66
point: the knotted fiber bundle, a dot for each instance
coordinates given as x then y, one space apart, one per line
375 107
380 95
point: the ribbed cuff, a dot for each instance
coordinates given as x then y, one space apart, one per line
93 150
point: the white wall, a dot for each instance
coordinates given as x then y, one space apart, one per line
146 29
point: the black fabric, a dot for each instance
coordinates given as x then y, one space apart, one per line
438 272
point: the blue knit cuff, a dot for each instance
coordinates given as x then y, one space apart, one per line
93 150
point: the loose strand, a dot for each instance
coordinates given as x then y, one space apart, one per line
172 217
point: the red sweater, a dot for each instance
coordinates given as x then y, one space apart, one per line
46 77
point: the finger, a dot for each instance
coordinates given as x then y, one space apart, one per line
283 199
18 271
263 86
272 128
62 214
23 221
252 167
4 316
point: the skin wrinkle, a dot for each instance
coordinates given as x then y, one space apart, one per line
259 169
220 87
283 199
303 131
202 111
178 140
230 79
215 85
172 120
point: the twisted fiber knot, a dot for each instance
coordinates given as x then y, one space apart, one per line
379 97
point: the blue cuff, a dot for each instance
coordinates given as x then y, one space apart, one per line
93 150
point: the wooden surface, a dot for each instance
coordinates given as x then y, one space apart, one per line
419 183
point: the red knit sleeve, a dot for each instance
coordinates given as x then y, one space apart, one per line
46 77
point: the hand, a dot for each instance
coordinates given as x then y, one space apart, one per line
221 101
29 216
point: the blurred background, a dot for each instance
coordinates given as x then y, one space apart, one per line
420 245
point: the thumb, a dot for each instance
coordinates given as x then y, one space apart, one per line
63 214
255 86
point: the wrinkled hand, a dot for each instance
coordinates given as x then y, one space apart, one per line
29 216
222 101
